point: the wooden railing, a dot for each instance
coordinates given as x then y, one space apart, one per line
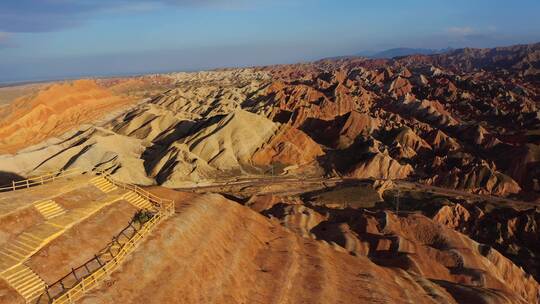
103 264
39 180
158 202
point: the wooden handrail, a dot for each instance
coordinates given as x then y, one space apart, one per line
87 283
39 180
161 203
165 208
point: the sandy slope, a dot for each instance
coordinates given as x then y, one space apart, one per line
390 119
446 125
48 110
11 92
245 258
53 111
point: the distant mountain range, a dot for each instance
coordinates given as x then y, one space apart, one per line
397 52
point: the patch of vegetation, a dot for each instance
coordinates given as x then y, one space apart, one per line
357 196
142 216
428 203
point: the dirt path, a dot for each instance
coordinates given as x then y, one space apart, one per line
292 186
454 192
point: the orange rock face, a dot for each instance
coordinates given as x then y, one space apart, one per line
454 217
434 119
514 233
381 166
419 245
341 132
466 121
59 107
445 105
53 111
400 87
247 258
289 147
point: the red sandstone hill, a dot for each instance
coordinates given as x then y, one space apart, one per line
56 108
467 122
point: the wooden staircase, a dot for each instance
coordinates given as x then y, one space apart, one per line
49 209
17 250
138 201
27 283
25 244
103 184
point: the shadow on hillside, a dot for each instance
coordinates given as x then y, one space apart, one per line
7 177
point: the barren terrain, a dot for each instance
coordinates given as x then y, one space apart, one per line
413 179
464 120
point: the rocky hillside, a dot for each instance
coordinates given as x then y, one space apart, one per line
246 258
50 110
468 119
413 179
414 243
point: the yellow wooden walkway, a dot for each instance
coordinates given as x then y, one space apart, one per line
103 184
138 201
58 219
26 282
49 209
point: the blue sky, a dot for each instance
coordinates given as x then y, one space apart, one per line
42 39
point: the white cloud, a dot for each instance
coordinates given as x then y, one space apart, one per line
134 7
460 31
7 41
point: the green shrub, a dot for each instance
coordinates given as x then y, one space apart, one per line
142 216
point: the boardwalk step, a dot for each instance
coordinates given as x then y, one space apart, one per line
138 201
49 209
25 281
103 184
